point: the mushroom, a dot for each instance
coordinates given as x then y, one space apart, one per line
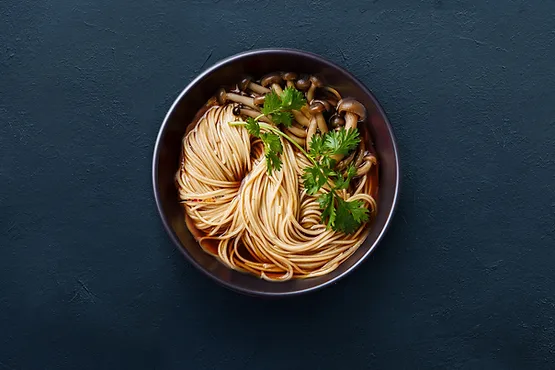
303 83
342 165
354 112
246 83
369 161
316 108
334 92
297 131
273 80
253 113
224 96
335 121
291 134
289 78
315 82
360 154
236 110
301 118
259 100
311 131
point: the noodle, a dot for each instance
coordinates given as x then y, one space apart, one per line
252 222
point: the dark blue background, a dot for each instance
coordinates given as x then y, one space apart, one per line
463 280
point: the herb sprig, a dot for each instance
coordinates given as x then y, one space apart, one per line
337 213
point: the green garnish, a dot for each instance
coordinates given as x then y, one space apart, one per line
337 213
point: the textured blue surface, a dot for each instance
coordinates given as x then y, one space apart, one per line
463 280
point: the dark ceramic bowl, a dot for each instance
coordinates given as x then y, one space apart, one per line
227 72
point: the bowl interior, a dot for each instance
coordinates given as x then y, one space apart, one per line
230 71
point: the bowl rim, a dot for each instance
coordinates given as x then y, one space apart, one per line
156 155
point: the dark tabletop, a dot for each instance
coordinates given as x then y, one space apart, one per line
463 280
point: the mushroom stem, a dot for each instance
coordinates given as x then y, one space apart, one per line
360 154
297 131
241 99
290 83
278 90
322 126
253 113
334 92
258 88
301 118
369 161
311 131
310 93
306 112
351 120
345 162
295 138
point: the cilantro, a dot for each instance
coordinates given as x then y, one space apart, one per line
350 215
272 104
253 127
292 99
278 108
341 141
327 204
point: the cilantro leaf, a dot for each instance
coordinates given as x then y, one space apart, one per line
292 98
285 118
327 204
272 149
343 182
314 179
341 141
316 146
253 127
272 103
350 215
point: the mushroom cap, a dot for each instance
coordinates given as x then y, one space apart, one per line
236 110
316 81
272 78
259 100
289 76
244 83
336 121
303 83
352 106
318 106
221 96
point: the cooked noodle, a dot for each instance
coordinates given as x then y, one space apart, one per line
265 225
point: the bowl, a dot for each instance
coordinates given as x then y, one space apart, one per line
227 72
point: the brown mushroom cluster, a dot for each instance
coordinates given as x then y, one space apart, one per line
325 110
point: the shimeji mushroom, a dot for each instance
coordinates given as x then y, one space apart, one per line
252 113
289 78
311 131
342 165
336 121
297 131
360 154
301 118
259 100
246 83
354 112
303 83
273 80
291 134
316 108
369 161
224 96
315 82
